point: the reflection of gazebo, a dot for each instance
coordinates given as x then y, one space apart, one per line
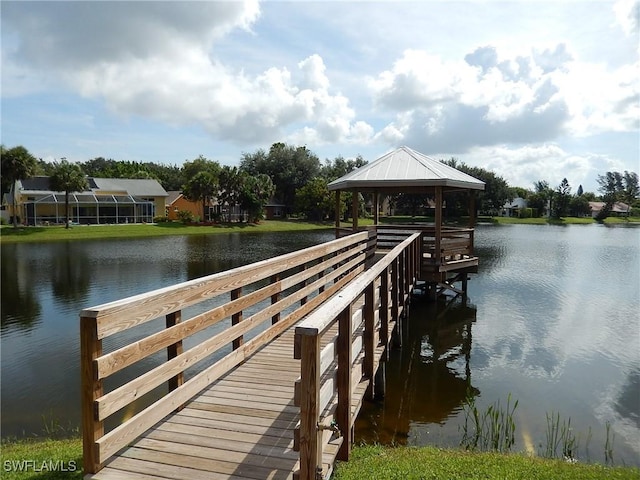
446 250
429 379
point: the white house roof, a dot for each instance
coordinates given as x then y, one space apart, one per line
405 167
129 186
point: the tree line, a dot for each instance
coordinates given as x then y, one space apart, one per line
295 178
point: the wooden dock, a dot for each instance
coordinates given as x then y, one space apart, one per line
272 392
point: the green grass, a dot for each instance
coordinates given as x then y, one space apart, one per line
41 459
433 463
8 234
88 232
561 221
367 462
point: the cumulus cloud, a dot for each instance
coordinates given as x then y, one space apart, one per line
522 166
489 99
158 60
628 16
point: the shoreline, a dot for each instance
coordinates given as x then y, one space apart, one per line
9 235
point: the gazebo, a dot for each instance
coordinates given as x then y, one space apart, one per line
447 253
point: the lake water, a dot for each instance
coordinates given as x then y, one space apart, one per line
552 319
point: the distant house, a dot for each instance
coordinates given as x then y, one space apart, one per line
107 200
512 208
177 202
214 211
619 209
275 210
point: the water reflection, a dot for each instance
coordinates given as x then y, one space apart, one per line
429 378
70 272
19 305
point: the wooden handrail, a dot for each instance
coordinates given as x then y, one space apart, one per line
354 327
299 283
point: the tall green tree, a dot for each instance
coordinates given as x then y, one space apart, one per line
68 178
496 190
230 186
541 199
201 164
579 206
617 187
289 167
202 187
562 196
15 164
314 200
255 192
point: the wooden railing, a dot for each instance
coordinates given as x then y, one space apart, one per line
340 346
277 292
454 242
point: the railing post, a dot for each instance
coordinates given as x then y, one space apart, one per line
174 350
395 303
303 300
402 280
343 410
275 298
237 317
92 389
384 311
368 339
310 434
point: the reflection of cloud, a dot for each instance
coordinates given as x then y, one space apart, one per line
628 402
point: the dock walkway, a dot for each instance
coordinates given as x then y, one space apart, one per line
308 330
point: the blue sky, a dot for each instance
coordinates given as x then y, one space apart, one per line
531 90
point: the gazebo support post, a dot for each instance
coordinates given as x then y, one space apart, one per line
337 213
472 208
354 210
438 226
376 207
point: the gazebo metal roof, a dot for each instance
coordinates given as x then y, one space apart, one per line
405 168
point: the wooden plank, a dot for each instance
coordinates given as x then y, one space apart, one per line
267 430
201 446
231 418
197 466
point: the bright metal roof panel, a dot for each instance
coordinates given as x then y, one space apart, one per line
405 167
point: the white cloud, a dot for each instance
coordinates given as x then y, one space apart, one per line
522 166
628 16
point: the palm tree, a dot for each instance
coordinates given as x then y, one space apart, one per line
68 177
16 164
201 187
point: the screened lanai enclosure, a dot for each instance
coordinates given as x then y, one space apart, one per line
85 208
105 201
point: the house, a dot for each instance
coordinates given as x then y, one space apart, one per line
107 200
619 209
512 208
214 211
275 210
177 202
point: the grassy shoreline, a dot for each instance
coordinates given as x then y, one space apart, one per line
8 234
62 460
